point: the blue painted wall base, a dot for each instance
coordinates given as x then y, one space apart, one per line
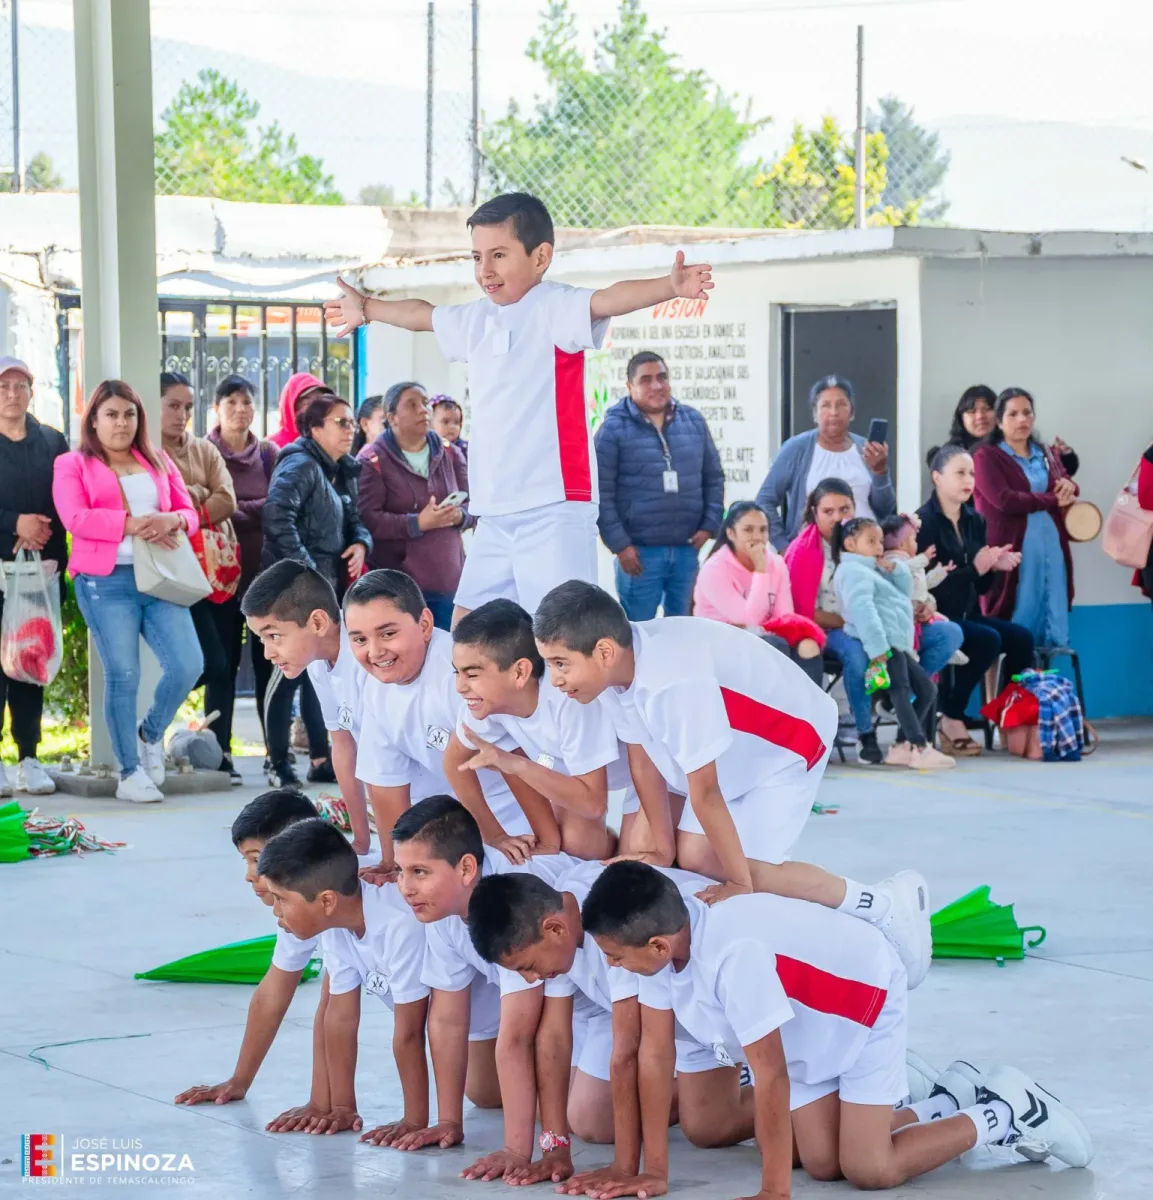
1115 645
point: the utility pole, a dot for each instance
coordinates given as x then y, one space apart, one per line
429 83
859 154
476 101
17 148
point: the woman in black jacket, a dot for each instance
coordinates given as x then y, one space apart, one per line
311 516
951 525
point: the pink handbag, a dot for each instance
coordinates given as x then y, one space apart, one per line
1128 530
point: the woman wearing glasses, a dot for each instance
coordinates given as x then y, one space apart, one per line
311 516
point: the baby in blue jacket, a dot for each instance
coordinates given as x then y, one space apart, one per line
876 602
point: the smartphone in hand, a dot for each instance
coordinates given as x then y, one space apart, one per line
453 500
878 430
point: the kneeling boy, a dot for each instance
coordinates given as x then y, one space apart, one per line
742 731
369 939
816 1005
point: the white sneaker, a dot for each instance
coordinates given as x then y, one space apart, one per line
921 1076
906 924
1043 1127
151 756
961 1081
5 786
929 758
139 788
33 779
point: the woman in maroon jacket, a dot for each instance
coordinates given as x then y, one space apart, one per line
408 474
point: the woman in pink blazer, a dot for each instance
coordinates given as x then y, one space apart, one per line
115 488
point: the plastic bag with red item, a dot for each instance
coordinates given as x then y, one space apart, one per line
794 629
1015 706
31 635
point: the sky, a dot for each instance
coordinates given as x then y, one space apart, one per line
1038 101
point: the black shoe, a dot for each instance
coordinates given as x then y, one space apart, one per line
226 764
867 749
322 772
283 774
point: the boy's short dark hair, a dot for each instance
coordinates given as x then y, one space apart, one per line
642 360
445 826
530 219
578 615
504 631
632 902
290 591
271 813
311 857
399 589
505 913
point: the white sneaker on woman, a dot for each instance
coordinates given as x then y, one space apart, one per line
151 756
5 786
33 779
138 788
929 758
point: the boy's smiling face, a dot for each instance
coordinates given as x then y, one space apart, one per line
483 686
582 677
388 643
504 269
250 850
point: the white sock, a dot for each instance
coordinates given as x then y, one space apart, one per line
993 1121
934 1108
864 902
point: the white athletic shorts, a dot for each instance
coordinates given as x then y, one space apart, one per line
524 555
769 819
592 1041
484 1010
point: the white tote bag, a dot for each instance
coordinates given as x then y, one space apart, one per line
172 575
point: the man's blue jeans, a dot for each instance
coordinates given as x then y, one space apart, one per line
939 641
117 616
668 576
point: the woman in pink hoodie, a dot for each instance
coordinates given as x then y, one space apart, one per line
745 582
296 393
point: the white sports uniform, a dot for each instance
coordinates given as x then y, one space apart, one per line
340 689
562 735
832 984
388 959
532 468
405 729
602 985
451 962
292 953
709 692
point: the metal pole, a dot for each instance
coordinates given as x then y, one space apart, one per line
17 149
476 101
428 104
859 155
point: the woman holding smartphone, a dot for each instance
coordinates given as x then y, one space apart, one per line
413 499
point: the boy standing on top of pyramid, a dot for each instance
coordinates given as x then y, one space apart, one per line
532 469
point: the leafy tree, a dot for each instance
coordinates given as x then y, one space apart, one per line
207 147
917 162
637 138
39 176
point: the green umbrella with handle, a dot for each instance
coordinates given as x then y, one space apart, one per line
975 927
238 962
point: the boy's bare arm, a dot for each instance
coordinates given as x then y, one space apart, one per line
341 1025
299 1118
389 804
352 308
351 789
771 1115
717 822
463 780
654 839
408 1026
691 282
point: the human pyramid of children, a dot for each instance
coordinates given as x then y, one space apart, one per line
700 976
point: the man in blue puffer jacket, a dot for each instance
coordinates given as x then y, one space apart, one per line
662 491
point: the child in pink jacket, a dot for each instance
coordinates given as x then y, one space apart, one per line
745 582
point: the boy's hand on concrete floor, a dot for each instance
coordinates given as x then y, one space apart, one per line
389 1135
213 1093
295 1120
642 1186
442 1134
338 1120
554 1165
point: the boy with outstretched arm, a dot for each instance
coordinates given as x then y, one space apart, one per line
816 1005
742 731
410 711
532 466
257 823
295 613
370 940
516 723
483 1021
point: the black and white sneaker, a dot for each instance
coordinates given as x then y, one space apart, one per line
1043 1127
868 751
283 774
226 764
961 1082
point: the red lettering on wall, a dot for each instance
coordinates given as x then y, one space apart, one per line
680 307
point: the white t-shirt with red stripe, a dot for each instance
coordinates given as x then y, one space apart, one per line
708 692
762 962
529 441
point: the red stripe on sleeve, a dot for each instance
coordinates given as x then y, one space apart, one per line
572 426
818 990
747 715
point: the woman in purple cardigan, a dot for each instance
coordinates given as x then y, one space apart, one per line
1023 498
408 473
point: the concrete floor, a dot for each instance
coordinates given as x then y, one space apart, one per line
1069 845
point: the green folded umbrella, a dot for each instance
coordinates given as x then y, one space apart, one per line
975 927
238 962
15 844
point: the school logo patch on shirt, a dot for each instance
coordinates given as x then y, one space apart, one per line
344 716
436 737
